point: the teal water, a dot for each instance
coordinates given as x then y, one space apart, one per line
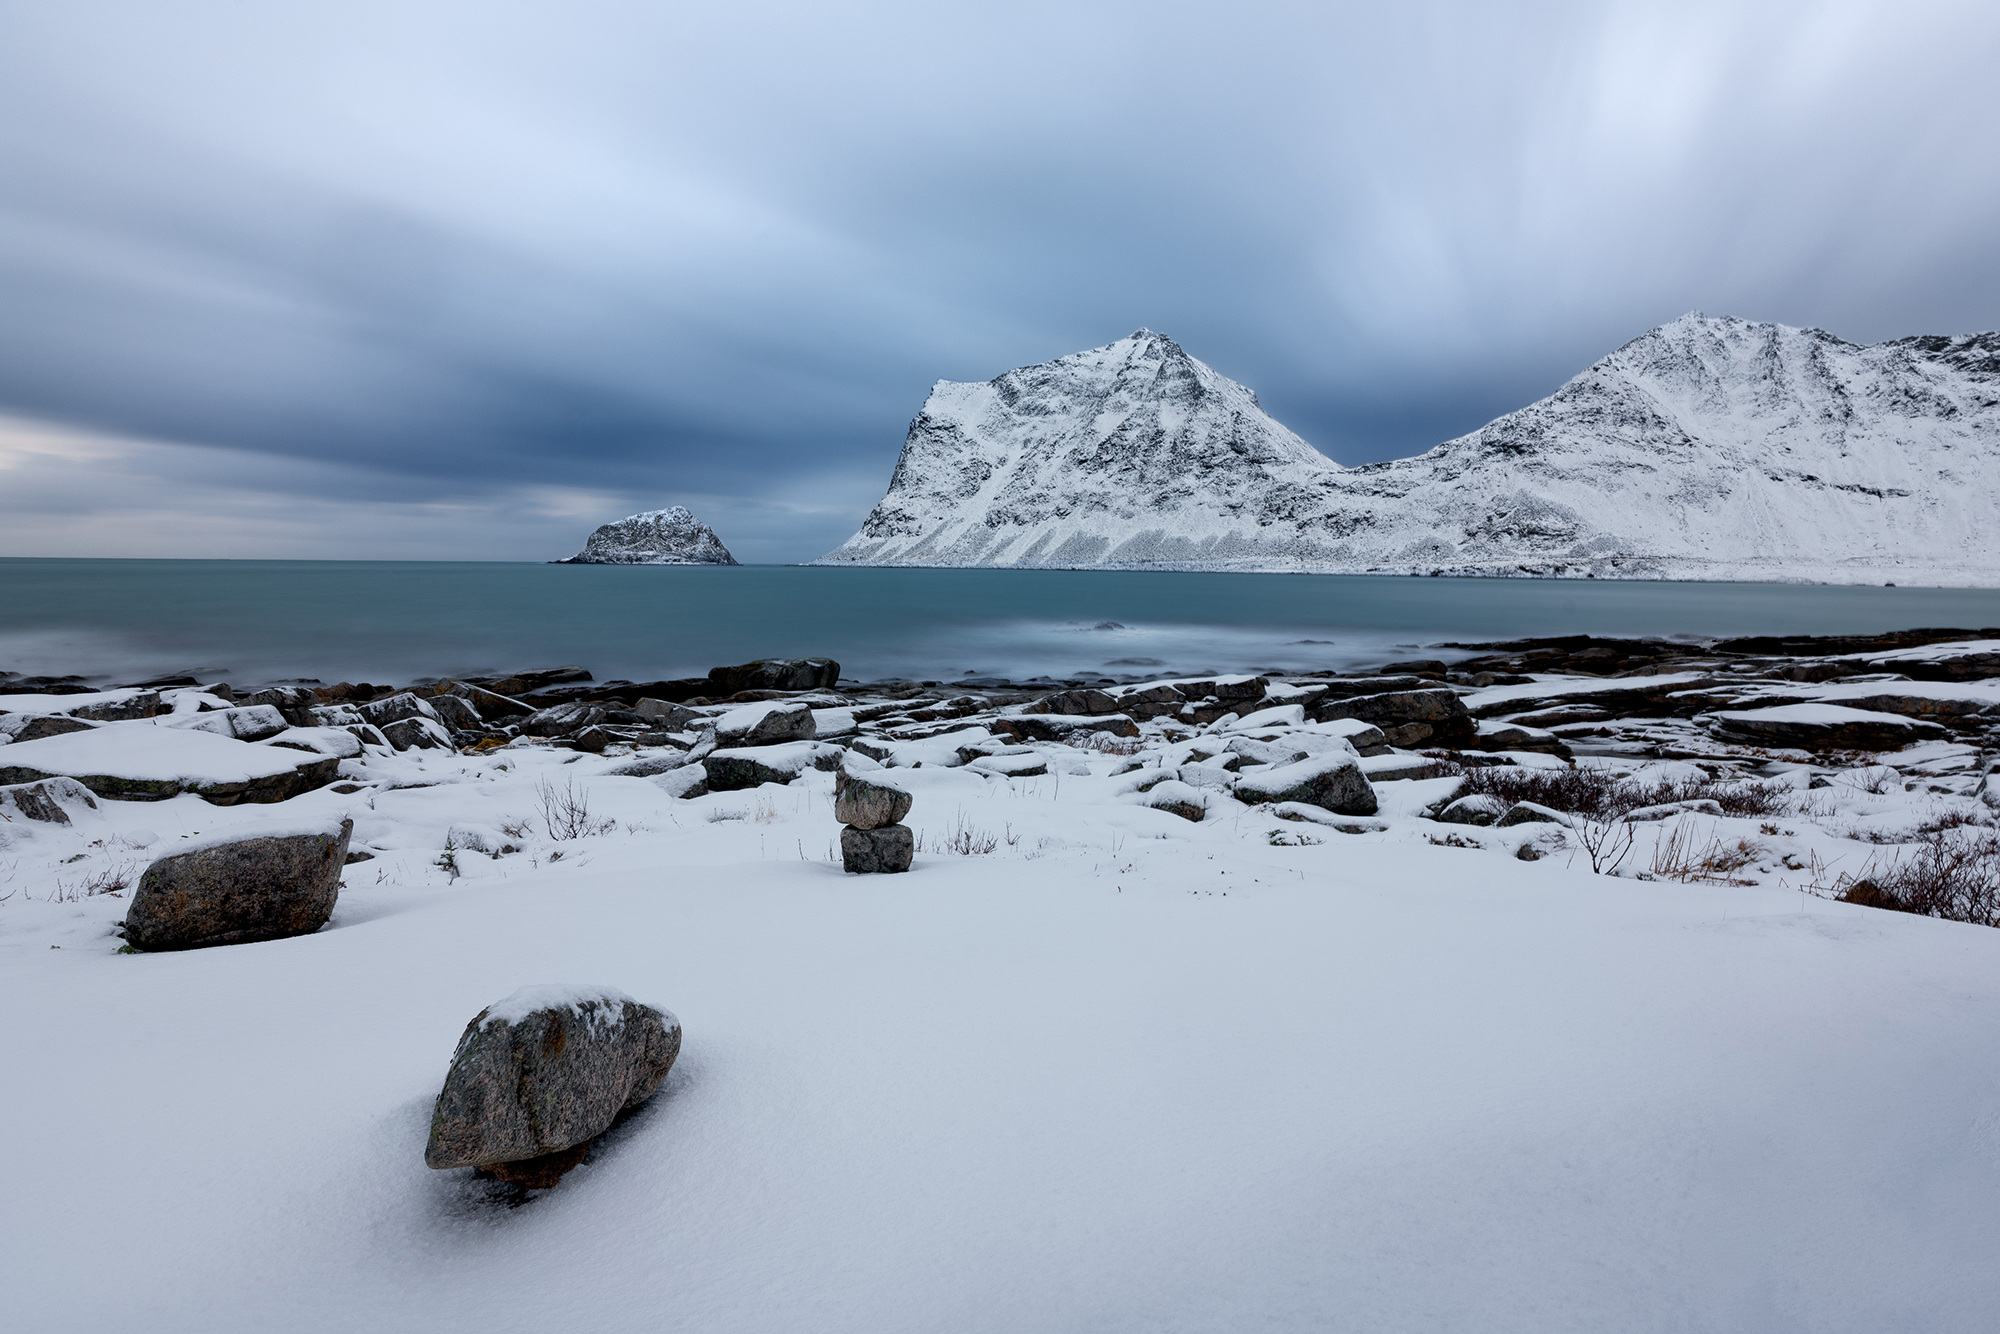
253 621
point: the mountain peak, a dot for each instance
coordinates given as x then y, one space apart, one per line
670 536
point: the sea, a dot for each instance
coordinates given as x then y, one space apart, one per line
261 622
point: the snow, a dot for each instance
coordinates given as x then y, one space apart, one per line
1707 448
1814 713
139 750
50 704
1251 1072
606 1005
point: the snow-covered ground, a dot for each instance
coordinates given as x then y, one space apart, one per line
1088 1066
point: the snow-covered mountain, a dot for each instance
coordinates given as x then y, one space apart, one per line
1704 449
670 536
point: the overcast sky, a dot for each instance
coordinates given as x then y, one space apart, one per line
440 280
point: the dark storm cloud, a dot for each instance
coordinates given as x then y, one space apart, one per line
432 254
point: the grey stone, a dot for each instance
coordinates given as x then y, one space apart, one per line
1481 808
734 770
866 803
562 719
668 716
775 674
1330 782
250 722
236 892
538 1076
417 733
1527 812
295 703
868 851
43 801
395 708
1843 730
490 703
36 726
145 704
1079 702
1407 717
456 713
1057 727
781 723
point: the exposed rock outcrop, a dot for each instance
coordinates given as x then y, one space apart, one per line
671 536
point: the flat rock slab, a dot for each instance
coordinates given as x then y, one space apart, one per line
736 769
766 725
869 803
870 851
776 674
539 1075
240 890
142 762
1821 727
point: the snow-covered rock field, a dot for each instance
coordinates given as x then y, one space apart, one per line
1123 1050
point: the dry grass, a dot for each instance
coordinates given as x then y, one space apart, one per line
565 811
1597 795
1683 854
1953 875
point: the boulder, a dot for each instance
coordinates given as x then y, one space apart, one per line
1080 702
416 733
869 803
143 704
456 713
1154 701
1176 798
593 740
1285 750
690 780
1030 765
667 716
38 726
1499 736
252 722
294 702
536 1077
1058 727
43 801
395 708
765 725
1392 767
1332 782
231 890
1481 808
1407 717
490 703
736 769
562 719
775 674
889 847
335 741
1821 727
1668 810
1527 812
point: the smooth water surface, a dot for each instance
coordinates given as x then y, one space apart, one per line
253 621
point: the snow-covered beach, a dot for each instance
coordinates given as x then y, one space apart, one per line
1130 1046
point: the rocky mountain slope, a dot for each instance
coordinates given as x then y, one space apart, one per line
1705 449
670 536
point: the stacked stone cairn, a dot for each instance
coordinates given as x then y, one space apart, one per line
872 808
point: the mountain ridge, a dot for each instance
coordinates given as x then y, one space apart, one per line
1705 448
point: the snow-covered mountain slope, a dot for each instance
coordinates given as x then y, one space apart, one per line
670 536
1706 448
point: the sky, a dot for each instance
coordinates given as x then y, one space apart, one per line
427 280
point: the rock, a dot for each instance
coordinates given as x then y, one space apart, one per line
765 725
1481 808
650 766
1154 701
869 803
335 741
417 733
1668 810
1285 750
672 536
1821 727
1391 767
539 1075
1427 667
145 704
1057 727
668 716
295 703
138 762
775 674
1010 766
563 719
489 703
1083 702
889 847
593 740
43 801
734 770
236 890
38 726
1527 812
1407 717
395 708
1497 736
248 723
1277 716
1333 782
690 780
1176 798
456 712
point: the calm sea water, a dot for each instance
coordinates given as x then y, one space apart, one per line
254 621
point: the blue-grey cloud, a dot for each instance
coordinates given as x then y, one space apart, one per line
439 254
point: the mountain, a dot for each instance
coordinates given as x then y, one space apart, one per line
657 537
1704 449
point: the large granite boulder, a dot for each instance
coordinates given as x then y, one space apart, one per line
1061 727
668 716
1481 808
765 725
231 890
536 1077
39 726
775 674
563 719
738 768
887 848
44 802
142 762
252 722
869 803
1332 782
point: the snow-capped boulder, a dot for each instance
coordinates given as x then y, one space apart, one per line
671 536
1821 727
563 719
1481 808
1528 812
883 850
15 727
250 723
539 1075
1333 782
1705 448
231 890
1408 717
48 801
737 768
869 803
767 724
143 762
775 674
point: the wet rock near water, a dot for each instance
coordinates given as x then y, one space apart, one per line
236 891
